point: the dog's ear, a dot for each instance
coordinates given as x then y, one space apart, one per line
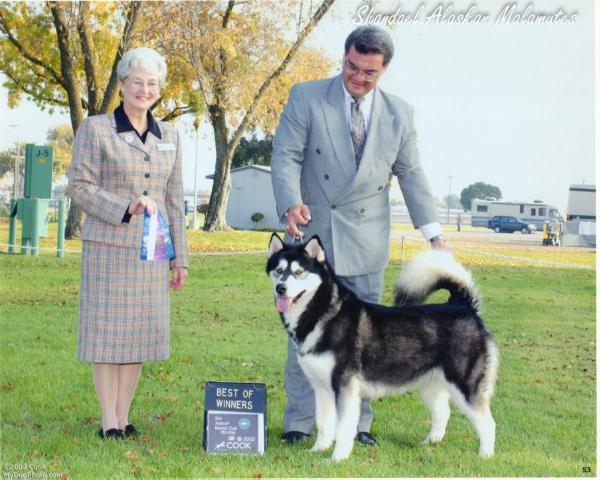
314 249
275 244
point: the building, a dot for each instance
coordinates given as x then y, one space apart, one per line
251 193
582 202
580 228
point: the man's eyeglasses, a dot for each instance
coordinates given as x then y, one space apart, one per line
369 75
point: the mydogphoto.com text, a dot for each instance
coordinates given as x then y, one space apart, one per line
447 14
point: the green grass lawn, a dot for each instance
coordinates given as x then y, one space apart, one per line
224 328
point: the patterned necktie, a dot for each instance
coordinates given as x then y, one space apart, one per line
358 131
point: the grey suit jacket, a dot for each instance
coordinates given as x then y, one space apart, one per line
313 163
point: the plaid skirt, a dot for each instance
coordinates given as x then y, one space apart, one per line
123 306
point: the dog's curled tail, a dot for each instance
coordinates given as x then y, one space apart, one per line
431 271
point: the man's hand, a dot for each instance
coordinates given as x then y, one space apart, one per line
439 244
298 214
178 277
140 204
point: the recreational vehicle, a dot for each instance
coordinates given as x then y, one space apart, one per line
530 213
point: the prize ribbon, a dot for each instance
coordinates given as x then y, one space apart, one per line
157 244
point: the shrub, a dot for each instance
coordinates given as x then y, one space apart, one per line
203 208
257 217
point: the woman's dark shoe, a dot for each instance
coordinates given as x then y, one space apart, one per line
112 433
131 431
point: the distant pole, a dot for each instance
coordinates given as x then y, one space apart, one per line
448 202
16 179
402 251
12 227
35 228
60 236
195 221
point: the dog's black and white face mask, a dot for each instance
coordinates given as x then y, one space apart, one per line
293 271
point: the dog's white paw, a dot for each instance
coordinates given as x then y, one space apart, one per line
433 438
340 455
486 453
322 444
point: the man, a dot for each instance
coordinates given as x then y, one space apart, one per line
337 145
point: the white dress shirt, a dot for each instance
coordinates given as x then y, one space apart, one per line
365 107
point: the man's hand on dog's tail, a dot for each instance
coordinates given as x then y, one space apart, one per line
439 244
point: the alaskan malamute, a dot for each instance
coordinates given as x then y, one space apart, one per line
350 349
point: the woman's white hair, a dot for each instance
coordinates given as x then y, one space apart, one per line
143 58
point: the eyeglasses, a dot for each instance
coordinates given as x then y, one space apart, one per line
138 84
369 75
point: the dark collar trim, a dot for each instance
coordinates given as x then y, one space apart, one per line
124 124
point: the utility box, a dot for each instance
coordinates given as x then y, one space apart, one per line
38 171
32 210
33 221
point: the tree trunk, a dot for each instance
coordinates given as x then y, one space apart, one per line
217 206
69 76
88 49
111 93
74 219
66 65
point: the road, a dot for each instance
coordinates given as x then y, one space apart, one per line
480 235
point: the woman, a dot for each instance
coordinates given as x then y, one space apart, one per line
125 163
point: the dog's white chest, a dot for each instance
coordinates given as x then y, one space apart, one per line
317 368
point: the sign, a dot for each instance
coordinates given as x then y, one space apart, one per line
235 418
38 171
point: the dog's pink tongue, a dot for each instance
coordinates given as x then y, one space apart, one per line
284 304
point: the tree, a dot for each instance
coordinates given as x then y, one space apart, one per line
253 152
244 60
7 162
64 55
478 190
256 217
61 140
7 158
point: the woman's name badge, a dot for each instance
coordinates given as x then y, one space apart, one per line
165 147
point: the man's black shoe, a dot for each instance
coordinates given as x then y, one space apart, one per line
289 438
366 438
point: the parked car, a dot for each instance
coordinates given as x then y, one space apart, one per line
501 223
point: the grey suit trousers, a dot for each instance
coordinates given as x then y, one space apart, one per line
300 407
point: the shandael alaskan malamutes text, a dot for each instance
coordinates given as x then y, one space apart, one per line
350 349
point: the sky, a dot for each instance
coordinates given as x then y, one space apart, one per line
503 102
